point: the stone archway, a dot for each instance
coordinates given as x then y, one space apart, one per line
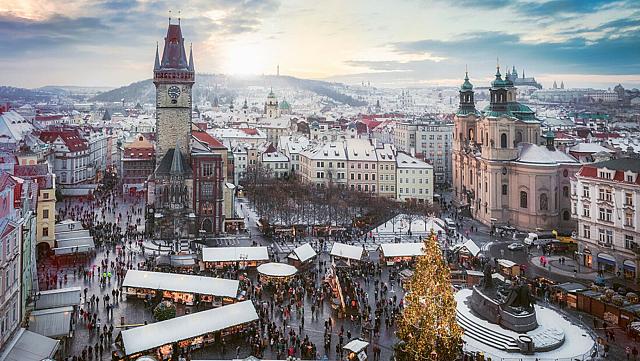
207 225
43 249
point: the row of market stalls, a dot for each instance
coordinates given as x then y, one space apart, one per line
72 239
191 331
622 310
181 288
50 324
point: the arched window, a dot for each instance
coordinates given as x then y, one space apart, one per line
544 202
505 189
565 191
523 199
471 134
503 140
518 137
566 215
470 176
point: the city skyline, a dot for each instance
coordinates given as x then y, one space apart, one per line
112 43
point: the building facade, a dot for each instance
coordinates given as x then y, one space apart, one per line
415 179
605 199
434 142
137 164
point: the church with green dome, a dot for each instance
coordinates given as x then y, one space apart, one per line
505 170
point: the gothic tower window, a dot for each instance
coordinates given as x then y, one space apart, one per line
523 199
503 140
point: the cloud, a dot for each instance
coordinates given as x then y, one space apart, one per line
545 8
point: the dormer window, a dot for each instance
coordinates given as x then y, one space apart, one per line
629 178
604 175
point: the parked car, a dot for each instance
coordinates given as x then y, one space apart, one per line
515 246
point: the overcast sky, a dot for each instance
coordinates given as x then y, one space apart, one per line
387 42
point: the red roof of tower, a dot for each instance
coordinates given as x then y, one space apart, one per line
174 55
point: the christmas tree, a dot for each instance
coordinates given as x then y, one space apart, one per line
427 327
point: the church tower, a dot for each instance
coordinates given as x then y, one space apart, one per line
173 77
271 106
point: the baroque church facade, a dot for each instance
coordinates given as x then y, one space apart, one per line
506 170
185 194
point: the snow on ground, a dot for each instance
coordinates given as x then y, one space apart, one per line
577 343
400 225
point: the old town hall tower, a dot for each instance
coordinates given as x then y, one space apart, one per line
173 77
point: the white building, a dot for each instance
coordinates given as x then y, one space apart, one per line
605 199
415 179
276 162
434 141
362 164
324 164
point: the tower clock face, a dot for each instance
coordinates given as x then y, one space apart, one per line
173 92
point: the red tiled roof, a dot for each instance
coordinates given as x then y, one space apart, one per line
206 138
45 118
71 139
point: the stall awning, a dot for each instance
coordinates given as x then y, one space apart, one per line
471 247
29 346
347 251
181 283
53 322
356 345
157 334
571 287
303 253
58 298
234 254
605 258
629 265
506 263
402 249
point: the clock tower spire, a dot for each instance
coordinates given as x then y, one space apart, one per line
173 77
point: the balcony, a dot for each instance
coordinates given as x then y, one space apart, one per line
605 244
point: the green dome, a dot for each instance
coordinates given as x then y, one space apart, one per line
285 105
466 86
514 109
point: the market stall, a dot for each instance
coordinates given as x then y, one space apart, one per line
392 253
302 255
276 272
61 297
566 293
347 252
191 331
219 257
25 345
356 350
180 288
508 268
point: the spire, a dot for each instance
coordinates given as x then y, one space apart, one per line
176 162
498 75
156 66
522 73
191 57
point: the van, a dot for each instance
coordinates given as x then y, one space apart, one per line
539 239
450 225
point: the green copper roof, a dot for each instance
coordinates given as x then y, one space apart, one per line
515 110
285 105
466 86
466 111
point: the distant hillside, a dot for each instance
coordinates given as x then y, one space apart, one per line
22 95
209 85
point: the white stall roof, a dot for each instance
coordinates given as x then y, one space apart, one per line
303 253
472 247
52 322
506 263
78 233
402 249
234 254
59 298
356 345
347 251
82 248
184 327
29 346
181 283
277 269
